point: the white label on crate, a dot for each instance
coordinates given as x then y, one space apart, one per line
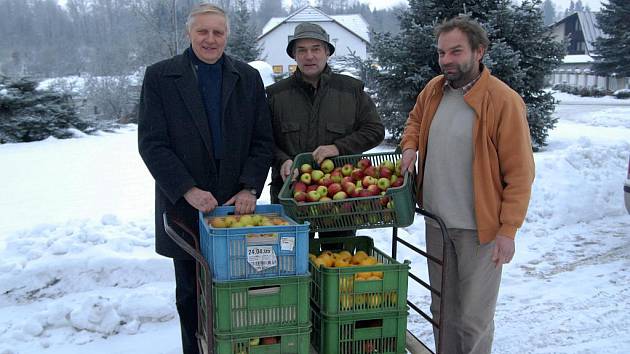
261 257
287 243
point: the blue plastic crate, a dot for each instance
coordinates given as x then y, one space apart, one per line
233 253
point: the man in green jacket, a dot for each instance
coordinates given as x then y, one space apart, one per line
316 110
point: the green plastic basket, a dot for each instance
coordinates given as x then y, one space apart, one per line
352 213
382 333
337 291
295 341
261 304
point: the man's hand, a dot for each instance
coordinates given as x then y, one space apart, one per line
324 151
408 162
503 250
243 201
285 170
201 200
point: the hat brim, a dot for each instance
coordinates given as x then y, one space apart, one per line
331 48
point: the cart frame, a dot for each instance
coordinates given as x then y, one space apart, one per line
205 329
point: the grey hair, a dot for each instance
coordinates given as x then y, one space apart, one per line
205 8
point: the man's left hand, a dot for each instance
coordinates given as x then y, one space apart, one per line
503 250
243 201
324 151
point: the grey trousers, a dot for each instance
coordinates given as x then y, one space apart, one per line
470 294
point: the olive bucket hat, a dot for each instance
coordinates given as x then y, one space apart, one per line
308 31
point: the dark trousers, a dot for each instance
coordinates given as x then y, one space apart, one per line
186 300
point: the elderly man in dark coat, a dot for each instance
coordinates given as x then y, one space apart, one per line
205 135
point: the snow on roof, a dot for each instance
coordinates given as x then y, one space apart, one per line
353 23
577 58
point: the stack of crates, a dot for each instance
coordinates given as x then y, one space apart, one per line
260 282
358 309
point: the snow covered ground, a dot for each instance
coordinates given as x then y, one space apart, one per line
78 272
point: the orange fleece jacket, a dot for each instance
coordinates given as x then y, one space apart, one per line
503 162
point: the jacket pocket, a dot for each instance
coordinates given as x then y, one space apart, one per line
335 129
290 138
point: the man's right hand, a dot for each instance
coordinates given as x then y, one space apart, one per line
408 160
285 169
201 200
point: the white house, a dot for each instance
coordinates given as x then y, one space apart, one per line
348 33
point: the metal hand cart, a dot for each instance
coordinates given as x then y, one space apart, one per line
205 313
323 218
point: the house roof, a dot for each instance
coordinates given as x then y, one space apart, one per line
590 29
353 23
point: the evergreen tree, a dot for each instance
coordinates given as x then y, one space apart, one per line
549 12
242 42
614 48
27 114
521 53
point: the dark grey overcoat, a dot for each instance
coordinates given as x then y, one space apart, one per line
175 143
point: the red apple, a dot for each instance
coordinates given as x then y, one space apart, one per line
312 187
327 166
385 171
373 189
347 179
299 187
398 182
299 196
306 168
364 163
357 174
348 187
306 178
370 171
340 195
364 193
383 183
346 170
334 188
384 200
336 176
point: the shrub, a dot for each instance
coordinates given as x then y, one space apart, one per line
27 114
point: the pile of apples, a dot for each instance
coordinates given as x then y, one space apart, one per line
346 259
332 182
246 220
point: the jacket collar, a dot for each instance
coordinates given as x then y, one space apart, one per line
298 76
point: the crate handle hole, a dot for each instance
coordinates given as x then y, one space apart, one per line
263 290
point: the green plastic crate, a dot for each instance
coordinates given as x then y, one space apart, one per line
260 304
382 333
295 341
337 291
352 213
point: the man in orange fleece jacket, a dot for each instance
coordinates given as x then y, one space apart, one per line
475 171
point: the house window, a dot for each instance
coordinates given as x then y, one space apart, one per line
277 69
292 68
580 47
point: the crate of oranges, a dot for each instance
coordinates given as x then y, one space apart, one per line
350 275
265 244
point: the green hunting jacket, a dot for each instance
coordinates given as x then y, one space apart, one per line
339 112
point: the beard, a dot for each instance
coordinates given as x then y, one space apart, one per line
459 73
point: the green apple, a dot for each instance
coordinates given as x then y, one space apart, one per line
327 166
